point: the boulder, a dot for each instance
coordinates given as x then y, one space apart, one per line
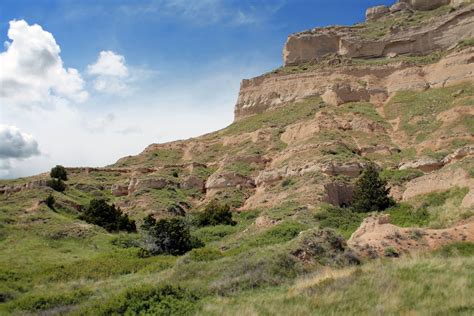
377 12
423 164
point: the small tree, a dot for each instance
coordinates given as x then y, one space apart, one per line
50 201
215 214
167 236
371 192
58 172
107 216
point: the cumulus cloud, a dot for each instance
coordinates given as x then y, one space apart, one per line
111 73
32 71
15 144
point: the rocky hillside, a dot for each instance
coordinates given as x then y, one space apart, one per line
397 90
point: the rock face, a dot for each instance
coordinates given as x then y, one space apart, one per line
339 194
374 13
447 31
424 164
343 84
426 5
36 184
228 180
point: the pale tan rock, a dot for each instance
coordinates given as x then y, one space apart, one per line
426 5
119 189
459 154
423 164
350 169
443 33
376 236
442 180
228 180
376 12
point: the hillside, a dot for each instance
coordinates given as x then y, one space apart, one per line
396 90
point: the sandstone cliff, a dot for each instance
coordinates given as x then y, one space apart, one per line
389 32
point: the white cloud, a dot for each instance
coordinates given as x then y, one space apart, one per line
112 74
32 71
109 64
15 144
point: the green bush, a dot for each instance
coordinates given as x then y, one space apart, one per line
56 184
162 300
205 254
344 220
49 201
107 216
167 236
58 172
371 192
215 214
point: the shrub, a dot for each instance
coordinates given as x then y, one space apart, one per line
59 172
323 246
107 216
391 252
49 201
215 214
344 220
162 300
371 192
167 236
56 184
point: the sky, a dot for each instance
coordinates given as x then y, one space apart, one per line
83 83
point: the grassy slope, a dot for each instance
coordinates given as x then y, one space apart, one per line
51 261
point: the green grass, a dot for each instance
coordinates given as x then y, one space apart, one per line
413 286
343 220
278 117
418 110
377 29
395 176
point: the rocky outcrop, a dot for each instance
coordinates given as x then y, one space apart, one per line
228 180
423 164
426 5
148 183
343 84
376 237
119 189
36 184
338 194
445 32
340 93
193 183
459 154
374 13
350 169
442 180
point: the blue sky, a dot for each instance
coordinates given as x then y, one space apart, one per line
182 63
